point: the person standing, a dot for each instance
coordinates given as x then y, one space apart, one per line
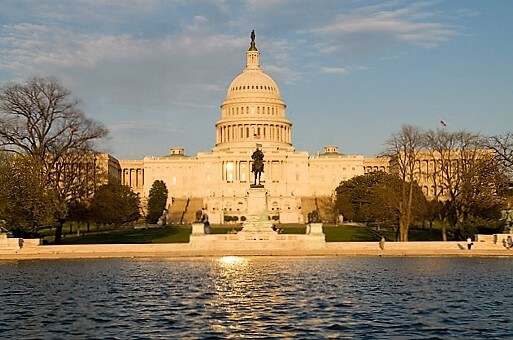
382 243
469 243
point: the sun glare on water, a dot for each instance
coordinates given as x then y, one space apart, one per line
232 260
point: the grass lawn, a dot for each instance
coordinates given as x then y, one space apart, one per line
351 234
180 234
134 236
425 235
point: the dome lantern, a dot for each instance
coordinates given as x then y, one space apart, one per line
252 55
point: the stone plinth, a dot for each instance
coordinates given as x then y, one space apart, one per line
257 221
257 227
314 229
18 243
198 228
495 239
257 204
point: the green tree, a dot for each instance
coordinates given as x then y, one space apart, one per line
25 203
79 211
40 121
433 211
354 197
157 201
114 204
377 198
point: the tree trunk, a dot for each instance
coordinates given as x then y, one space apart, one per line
444 233
58 232
407 218
403 231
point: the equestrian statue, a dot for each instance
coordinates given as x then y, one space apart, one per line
258 165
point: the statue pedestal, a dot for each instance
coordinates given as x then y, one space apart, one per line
198 228
314 229
257 220
257 204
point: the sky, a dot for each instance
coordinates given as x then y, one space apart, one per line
351 72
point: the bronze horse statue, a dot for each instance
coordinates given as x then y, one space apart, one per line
257 169
258 165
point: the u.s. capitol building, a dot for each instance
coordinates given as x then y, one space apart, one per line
253 115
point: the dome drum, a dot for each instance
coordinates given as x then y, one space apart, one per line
259 111
254 132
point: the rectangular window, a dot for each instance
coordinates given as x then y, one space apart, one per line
243 171
229 171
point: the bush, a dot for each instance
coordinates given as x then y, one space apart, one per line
314 217
199 215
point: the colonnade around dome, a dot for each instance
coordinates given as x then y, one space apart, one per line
239 132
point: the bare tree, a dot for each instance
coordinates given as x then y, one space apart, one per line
41 120
502 145
465 174
404 148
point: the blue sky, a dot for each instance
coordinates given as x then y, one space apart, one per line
351 72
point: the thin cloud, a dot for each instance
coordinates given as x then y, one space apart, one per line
412 24
121 66
143 125
342 70
282 74
265 4
335 70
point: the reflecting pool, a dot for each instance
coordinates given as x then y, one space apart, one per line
258 297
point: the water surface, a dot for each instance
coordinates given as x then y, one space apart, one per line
257 297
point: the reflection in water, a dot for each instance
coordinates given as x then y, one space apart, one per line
230 261
257 297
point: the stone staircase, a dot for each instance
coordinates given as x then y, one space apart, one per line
193 205
308 204
177 210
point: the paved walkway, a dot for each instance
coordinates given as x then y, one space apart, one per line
177 250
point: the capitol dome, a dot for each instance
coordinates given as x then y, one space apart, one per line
253 83
253 110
